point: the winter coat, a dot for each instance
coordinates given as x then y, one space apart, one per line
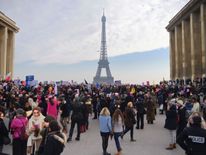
77 114
55 143
129 116
192 140
35 122
52 109
44 133
64 107
3 131
140 105
171 118
182 120
16 126
150 110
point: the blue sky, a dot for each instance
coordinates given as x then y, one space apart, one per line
65 32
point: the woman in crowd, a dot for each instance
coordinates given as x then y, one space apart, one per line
196 104
3 131
18 128
171 123
34 128
55 141
117 128
182 121
150 109
52 106
129 120
105 128
44 133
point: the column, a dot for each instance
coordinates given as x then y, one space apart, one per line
178 52
203 37
172 55
10 53
3 50
196 47
186 49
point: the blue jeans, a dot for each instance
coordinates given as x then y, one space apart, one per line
116 138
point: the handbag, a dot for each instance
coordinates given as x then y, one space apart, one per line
6 140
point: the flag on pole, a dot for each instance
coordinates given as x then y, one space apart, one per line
8 76
85 81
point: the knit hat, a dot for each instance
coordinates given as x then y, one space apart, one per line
20 111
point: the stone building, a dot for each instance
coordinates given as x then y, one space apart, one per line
187 31
8 29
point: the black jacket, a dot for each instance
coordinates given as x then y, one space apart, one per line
77 114
54 144
65 108
140 105
3 131
193 140
171 118
182 120
129 116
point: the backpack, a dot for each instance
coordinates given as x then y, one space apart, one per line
23 134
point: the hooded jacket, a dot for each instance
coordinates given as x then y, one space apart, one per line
55 143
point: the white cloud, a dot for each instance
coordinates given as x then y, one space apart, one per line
68 31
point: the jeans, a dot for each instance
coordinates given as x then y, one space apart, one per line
116 138
172 136
105 138
131 129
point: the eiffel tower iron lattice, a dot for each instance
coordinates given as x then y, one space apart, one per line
103 61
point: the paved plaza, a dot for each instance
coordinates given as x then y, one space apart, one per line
150 141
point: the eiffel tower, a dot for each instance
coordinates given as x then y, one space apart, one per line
103 61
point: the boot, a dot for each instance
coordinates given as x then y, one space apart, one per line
118 153
69 139
174 146
170 147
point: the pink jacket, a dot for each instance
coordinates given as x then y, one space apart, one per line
16 126
52 109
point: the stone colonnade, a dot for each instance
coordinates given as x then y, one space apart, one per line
8 29
188 42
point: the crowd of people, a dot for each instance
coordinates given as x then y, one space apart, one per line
36 129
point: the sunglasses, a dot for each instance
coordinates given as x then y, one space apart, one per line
36 112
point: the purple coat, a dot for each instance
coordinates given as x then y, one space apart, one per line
16 126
